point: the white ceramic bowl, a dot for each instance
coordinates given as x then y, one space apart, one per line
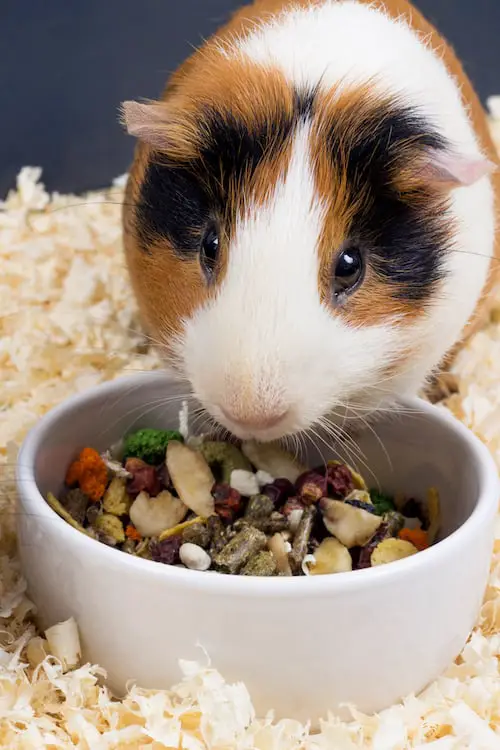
301 645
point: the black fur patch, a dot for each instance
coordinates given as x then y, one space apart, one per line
404 237
178 200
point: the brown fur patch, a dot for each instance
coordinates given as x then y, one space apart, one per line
351 115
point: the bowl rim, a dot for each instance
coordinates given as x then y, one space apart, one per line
33 502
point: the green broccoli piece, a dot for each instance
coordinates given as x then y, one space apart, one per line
149 445
383 503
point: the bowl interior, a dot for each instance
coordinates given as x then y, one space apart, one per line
406 452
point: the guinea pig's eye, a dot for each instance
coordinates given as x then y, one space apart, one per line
348 271
209 251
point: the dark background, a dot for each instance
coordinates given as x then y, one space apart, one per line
65 67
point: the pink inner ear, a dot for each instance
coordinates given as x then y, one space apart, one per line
146 121
455 170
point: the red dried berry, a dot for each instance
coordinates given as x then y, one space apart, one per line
163 476
227 501
144 478
167 551
311 487
340 481
278 491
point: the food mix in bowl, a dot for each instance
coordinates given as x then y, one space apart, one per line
240 509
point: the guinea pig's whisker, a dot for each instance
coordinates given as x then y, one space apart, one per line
307 434
355 454
377 437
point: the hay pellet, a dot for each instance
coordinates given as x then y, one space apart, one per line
263 564
301 538
246 544
258 507
194 557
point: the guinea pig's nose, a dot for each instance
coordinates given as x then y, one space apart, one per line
255 420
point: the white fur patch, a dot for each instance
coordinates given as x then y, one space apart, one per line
266 338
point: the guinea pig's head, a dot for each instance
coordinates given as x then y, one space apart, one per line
289 247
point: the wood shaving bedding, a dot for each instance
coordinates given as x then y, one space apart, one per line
68 322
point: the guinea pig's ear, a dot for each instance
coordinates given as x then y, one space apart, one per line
449 170
149 122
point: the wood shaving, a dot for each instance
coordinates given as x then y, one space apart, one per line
68 322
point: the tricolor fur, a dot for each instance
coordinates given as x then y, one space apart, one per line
296 132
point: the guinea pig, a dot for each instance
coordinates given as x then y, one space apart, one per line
309 220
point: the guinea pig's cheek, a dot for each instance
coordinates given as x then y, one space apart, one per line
169 291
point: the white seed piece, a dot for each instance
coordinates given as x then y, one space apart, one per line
271 458
194 557
192 478
152 515
263 478
64 643
245 482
